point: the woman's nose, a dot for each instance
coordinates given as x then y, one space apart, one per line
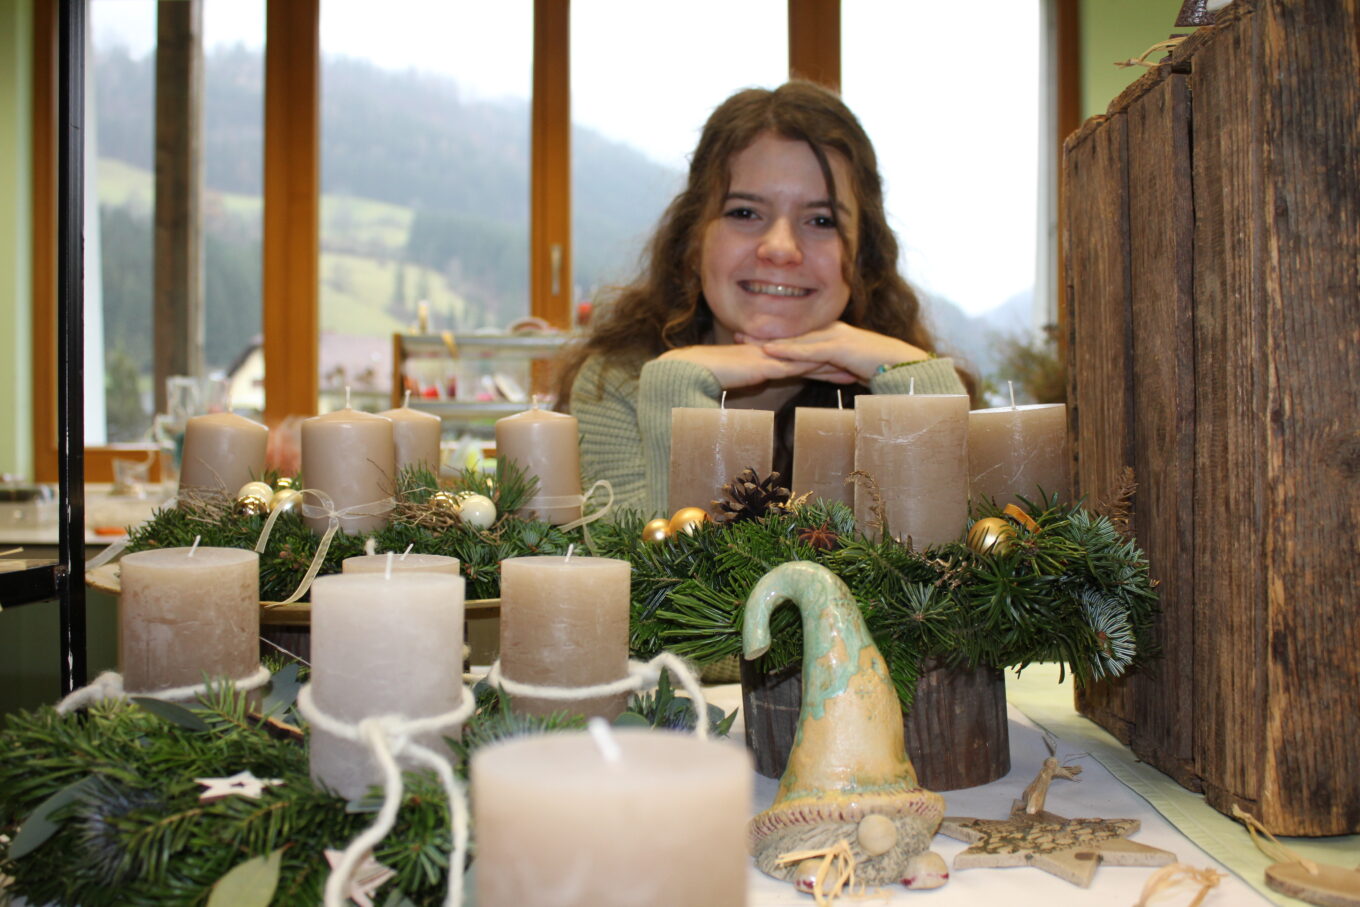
779 245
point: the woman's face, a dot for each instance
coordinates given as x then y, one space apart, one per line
771 262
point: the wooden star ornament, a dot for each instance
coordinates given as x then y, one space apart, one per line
368 877
243 784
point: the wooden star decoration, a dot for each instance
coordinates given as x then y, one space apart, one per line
243 784
369 876
1071 849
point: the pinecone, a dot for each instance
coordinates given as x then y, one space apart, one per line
749 498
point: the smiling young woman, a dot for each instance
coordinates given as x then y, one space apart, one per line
772 276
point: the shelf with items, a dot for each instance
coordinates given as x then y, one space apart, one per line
473 378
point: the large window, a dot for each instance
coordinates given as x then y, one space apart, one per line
424 178
643 81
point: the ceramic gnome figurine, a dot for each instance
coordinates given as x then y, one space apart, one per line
848 776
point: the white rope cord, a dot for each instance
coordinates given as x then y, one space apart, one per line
388 736
324 508
109 685
642 675
574 499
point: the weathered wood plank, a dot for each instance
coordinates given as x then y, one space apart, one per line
1230 399
1099 375
1308 74
1161 231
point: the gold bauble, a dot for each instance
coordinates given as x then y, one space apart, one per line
657 531
686 518
286 499
259 490
991 535
252 505
443 502
283 482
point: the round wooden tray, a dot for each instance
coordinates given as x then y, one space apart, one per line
299 614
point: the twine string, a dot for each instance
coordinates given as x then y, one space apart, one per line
1270 845
325 507
109 685
573 500
386 737
642 675
1178 875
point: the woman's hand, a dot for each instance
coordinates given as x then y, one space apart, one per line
840 349
745 364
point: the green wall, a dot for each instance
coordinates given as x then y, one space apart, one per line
16 29
1119 30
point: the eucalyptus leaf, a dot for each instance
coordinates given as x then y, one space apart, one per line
175 714
40 826
249 884
283 689
631 719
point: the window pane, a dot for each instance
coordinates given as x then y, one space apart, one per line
424 178
644 78
956 127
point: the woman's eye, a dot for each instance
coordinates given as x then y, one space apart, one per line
824 220
740 213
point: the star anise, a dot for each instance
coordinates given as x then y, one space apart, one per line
822 537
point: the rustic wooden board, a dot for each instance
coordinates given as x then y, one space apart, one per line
1231 429
1161 233
1099 377
1308 75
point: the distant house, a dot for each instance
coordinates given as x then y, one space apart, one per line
361 363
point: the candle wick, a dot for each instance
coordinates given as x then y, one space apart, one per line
840 403
1011 385
570 549
194 546
370 546
387 574
347 406
722 404
911 387
408 550
406 399
533 402
604 739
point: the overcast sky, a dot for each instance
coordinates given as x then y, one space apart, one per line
951 102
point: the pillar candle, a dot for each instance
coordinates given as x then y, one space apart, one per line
415 438
564 623
545 445
823 453
664 825
915 447
172 632
710 447
408 563
222 452
382 645
350 456
1017 450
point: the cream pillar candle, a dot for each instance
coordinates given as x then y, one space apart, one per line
564 623
350 456
382 645
823 453
1017 450
710 447
188 612
915 447
546 445
222 452
664 825
415 437
408 563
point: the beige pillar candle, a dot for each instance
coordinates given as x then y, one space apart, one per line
382 645
915 447
350 456
710 447
400 563
823 453
184 615
222 452
546 445
1018 450
564 623
664 825
415 437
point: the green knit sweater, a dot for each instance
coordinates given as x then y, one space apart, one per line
625 418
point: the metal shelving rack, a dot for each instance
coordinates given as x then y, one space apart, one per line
64 580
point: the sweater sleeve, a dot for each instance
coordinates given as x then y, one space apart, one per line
933 376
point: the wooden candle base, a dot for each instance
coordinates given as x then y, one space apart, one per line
956 733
